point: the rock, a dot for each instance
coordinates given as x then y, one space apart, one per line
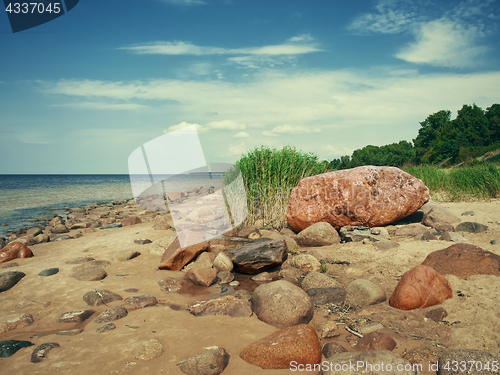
14 250
10 347
225 277
318 234
212 362
175 195
109 226
475 360
169 284
150 349
318 280
92 263
9 279
360 293
411 230
33 232
106 327
438 215
290 274
494 242
468 213
42 351
452 236
90 274
131 220
143 241
176 257
59 228
124 255
41 238
463 260
49 272
223 263
323 296
71 332
202 272
32 304
262 277
375 341
306 263
14 321
161 223
282 304
111 314
471 227
349 233
141 301
62 238
259 255
247 231
370 327
436 314
331 348
297 345
80 260
228 305
420 287
327 330
428 236
75 316
370 362
385 245
98 297
369 196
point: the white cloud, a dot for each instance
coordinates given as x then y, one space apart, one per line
301 38
444 43
226 124
184 124
103 106
242 135
236 149
287 129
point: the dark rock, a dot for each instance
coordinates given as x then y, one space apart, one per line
228 305
90 274
494 242
375 341
143 241
10 347
471 227
436 314
132 290
99 297
212 362
318 234
49 272
259 255
323 296
141 301
169 284
359 233
111 314
75 316
109 226
9 279
106 327
468 213
331 348
475 361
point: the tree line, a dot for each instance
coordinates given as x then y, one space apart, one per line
440 140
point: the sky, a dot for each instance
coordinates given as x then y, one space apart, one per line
80 93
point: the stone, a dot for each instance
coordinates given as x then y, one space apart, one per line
327 330
438 215
106 327
80 260
9 279
234 283
90 274
475 360
175 195
318 234
262 277
169 284
259 255
331 348
463 260
361 292
59 229
13 321
375 341
427 236
32 304
468 213
212 362
71 332
298 344
306 263
75 316
494 242
290 274
131 220
346 363
227 305
109 226
14 250
150 349
98 297
318 280
124 255
10 347
41 238
42 351
368 195
161 223
247 231
33 232
420 287
471 227
223 263
282 304
385 245
323 296
111 314
436 315
452 236
92 263
411 230
141 301
62 238
202 272
49 272
370 327
175 257
143 241
359 233
225 277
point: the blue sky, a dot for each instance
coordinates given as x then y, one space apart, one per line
81 93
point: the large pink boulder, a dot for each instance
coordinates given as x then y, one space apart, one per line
15 250
369 196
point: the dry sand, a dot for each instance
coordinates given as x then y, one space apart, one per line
473 319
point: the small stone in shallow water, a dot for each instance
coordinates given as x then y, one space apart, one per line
99 297
75 316
111 314
141 301
42 351
234 283
49 272
468 213
106 327
494 242
9 347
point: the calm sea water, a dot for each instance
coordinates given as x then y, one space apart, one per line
24 198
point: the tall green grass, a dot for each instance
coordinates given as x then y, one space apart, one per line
269 176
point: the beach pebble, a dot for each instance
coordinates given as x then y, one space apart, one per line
111 314
49 272
9 279
234 283
212 362
223 263
494 242
99 297
471 227
228 305
331 348
259 255
106 327
318 280
124 255
225 277
323 296
149 350
468 213
363 292
109 226
42 351
77 316
59 229
13 321
10 347
90 274
318 234
33 232
140 301
327 329
143 241
169 284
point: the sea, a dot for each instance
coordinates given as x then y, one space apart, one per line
27 199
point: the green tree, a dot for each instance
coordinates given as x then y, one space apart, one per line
430 129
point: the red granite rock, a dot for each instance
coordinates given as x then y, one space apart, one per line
369 196
14 250
298 343
463 260
420 287
131 221
176 257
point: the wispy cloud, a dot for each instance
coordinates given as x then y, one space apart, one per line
287 129
242 135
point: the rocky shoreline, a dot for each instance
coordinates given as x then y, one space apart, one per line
93 299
